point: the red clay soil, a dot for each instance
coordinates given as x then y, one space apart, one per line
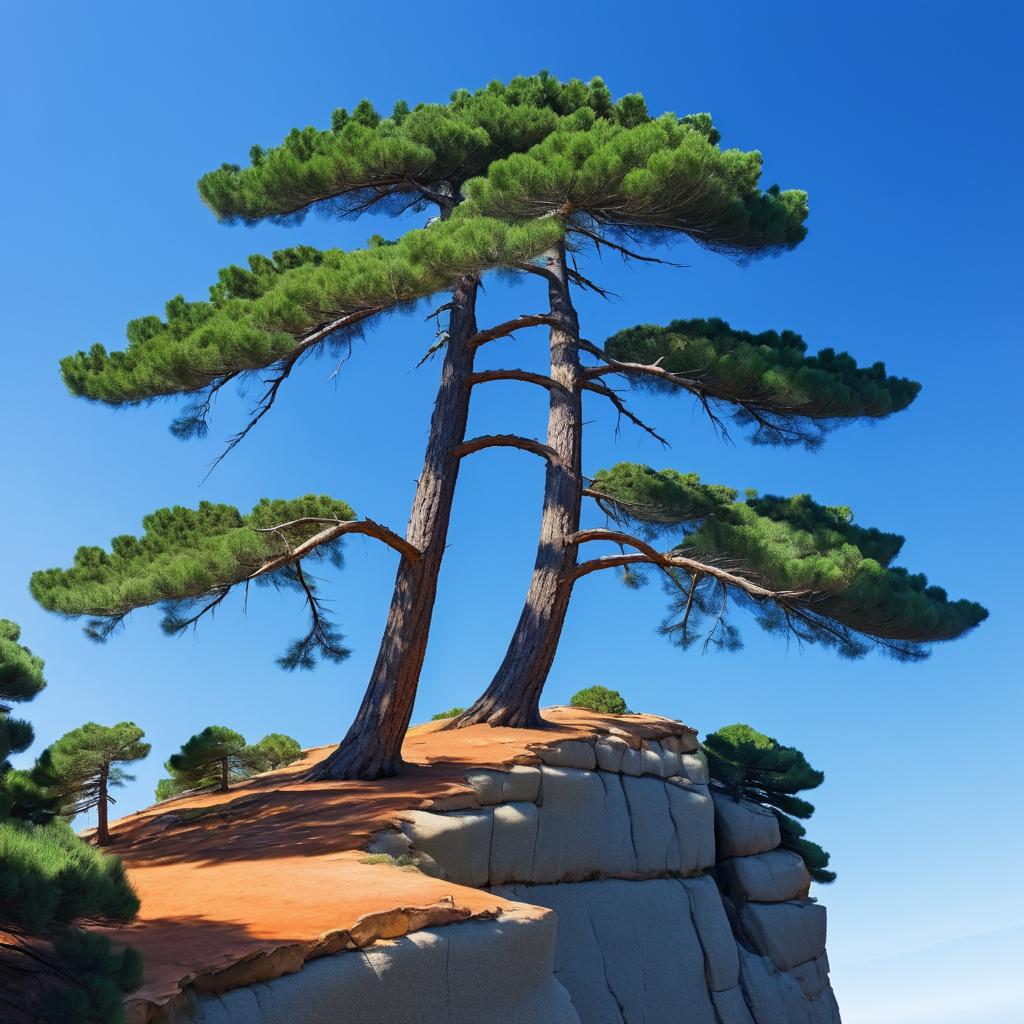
243 886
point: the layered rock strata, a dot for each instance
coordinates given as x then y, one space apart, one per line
669 903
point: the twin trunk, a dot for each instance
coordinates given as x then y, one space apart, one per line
372 747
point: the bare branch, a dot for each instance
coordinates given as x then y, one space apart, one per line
336 528
527 444
285 367
503 330
600 240
483 376
623 410
587 285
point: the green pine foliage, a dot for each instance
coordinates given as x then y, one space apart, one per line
748 764
785 395
366 161
838 585
657 176
599 699
187 558
21 678
260 318
87 760
50 883
657 501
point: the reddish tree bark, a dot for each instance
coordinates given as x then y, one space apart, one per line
373 746
102 828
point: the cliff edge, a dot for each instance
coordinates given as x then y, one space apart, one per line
585 873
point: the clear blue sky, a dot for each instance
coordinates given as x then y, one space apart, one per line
897 118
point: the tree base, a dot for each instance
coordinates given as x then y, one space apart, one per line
492 713
351 762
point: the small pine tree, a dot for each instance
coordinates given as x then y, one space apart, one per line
275 750
748 764
52 970
81 768
218 756
215 754
600 699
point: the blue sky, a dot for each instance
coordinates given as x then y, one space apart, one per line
897 118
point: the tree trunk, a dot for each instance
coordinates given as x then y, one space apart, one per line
102 829
513 697
373 746
224 775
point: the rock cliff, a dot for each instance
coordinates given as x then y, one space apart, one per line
625 891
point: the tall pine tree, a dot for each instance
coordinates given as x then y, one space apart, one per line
766 382
522 177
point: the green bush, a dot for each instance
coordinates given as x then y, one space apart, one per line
600 699
450 713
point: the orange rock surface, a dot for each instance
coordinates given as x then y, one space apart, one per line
243 886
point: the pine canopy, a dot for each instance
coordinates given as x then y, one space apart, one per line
662 175
299 301
187 558
786 395
87 760
835 580
368 162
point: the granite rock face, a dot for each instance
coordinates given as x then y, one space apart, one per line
497 971
668 902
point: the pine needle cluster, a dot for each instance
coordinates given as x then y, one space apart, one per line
835 579
188 558
786 395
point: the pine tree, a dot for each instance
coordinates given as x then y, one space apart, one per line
215 753
765 382
81 768
522 177
746 763
275 750
52 969
218 756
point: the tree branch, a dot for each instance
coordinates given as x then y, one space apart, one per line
623 410
670 561
483 376
286 365
599 240
527 444
503 330
337 528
